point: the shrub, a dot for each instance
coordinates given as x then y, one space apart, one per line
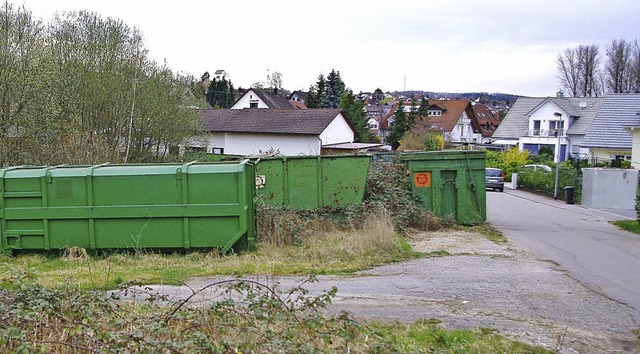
543 182
388 188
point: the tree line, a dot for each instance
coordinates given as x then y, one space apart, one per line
82 89
331 92
584 72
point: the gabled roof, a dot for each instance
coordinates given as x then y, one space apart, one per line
270 121
560 102
451 112
516 123
607 129
270 98
588 108
487 122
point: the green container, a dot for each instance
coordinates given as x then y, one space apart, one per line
167 206
310 182
450 183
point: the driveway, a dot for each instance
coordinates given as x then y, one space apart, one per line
476 283
579 240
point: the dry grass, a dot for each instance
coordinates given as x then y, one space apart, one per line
332 250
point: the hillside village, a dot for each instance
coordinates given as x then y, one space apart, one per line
277 121
281 115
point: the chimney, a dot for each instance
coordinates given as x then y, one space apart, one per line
275 90
559 94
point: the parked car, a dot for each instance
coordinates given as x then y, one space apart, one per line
544 168
494 178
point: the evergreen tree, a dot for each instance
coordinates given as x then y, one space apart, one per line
334 88
399 127
353 109
316 92
221 94
423 109
413 115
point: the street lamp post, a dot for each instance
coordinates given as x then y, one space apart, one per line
558 134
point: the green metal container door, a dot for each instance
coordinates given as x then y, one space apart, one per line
128 206
450 183
312 182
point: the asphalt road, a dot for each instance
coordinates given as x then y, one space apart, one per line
580 240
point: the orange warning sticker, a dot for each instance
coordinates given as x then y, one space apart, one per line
422 179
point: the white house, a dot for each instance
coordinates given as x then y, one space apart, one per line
287 132
590 128
258 98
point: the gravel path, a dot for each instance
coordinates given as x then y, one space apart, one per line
477 284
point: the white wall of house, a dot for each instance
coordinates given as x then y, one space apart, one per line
249 144
338 131
462 131
545 115
246 100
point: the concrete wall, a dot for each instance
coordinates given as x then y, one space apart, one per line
609 188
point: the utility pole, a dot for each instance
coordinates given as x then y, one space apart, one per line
558 134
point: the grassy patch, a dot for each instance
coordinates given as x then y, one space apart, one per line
331 251
486 230
247 316
629 225
425 336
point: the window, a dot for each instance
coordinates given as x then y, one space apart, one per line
217 151
536 128
556 126
253 104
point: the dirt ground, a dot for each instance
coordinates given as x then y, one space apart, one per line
467 281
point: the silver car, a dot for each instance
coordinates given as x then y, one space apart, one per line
494 178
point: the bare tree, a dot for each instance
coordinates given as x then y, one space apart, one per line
578 71
618 66
635 68
588 55
569 71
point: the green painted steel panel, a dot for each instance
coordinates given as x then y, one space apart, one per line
177 206
450 183
311 182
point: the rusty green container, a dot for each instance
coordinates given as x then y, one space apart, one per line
165 206
310 182
450 183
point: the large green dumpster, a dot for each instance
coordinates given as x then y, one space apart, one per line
309 182
166 206
450 183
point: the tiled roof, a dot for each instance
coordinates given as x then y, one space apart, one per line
607 129
600 119
452 110
487 121
272 99
587 108
516 122
298 104
269 121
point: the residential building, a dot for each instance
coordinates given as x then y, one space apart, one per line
287 132
220 75
456 119
590 128
259 98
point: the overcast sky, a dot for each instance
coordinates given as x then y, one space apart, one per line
446 46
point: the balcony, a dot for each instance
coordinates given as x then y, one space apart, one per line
545 133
